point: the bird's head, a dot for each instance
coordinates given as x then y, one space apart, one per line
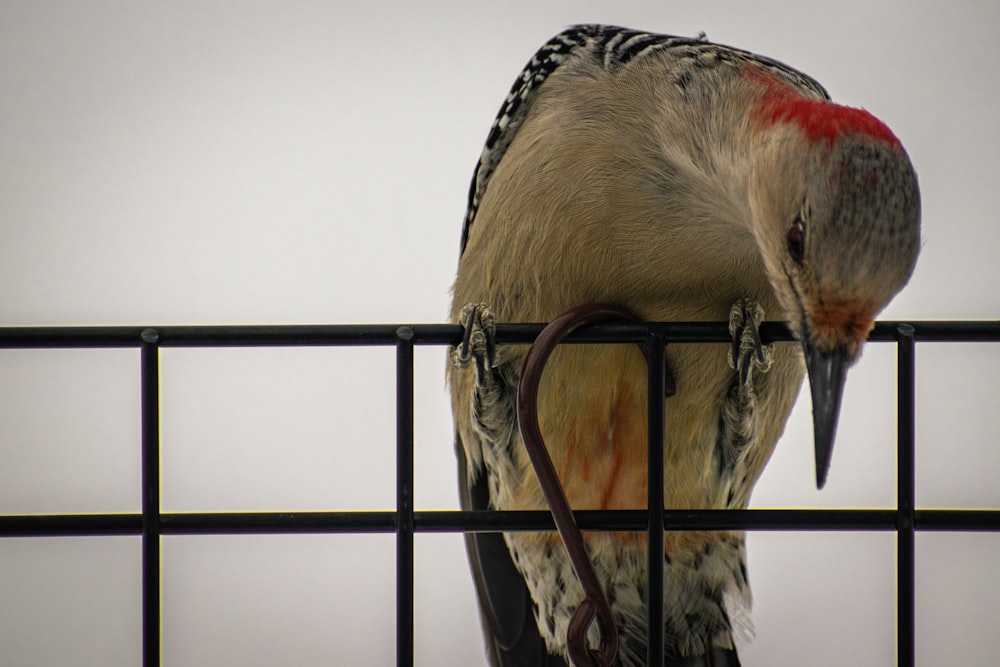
836 215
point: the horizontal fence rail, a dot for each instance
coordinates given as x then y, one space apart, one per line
405 520
296 335
448 521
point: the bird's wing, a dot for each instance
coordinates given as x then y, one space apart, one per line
506 610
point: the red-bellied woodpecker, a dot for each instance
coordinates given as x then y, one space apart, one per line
682 181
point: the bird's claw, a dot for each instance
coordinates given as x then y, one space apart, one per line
478 342
748 351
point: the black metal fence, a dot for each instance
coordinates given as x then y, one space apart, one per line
151 523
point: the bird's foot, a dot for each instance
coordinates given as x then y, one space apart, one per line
479 341
748 352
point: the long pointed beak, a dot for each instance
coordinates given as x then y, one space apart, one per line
826 381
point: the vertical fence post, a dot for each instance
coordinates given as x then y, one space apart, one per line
150 379
906 498
404 496
654 502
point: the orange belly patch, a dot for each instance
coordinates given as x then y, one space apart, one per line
602 459
595 429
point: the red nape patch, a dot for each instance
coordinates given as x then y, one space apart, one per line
825 121
822 121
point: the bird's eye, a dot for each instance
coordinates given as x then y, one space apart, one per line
797 242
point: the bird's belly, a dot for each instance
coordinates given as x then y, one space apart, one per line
595 429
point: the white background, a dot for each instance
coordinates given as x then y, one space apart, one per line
306 162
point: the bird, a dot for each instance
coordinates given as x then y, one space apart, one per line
678 180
